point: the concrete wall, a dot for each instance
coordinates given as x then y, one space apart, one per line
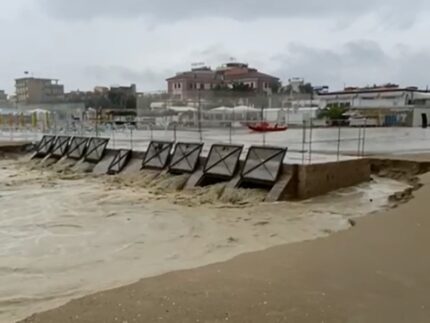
14 147
319 179
417 118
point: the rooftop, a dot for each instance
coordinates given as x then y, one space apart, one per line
229 71
37 79
374 90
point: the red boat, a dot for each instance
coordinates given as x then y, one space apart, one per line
266 127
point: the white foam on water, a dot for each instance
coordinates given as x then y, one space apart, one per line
63 236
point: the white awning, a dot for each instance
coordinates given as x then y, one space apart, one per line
183 109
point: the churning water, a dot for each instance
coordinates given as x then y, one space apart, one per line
65 234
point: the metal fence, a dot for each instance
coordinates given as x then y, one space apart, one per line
307 143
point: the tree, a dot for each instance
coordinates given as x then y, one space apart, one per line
333 112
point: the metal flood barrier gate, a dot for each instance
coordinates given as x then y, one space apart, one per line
96 149
185 158
222 161
45 146
77 147
60 147
262 165
119 162
158 154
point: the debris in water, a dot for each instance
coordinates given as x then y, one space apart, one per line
262 223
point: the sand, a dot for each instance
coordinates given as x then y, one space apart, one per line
65 234
378 271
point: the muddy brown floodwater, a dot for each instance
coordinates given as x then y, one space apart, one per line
66 234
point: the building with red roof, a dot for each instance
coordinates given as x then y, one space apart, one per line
203 79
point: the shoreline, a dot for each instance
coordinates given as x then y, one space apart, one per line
376 271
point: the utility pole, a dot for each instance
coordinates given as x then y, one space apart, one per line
199 116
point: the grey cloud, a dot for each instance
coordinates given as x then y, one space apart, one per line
117 46
112 75
243 9
213 54
355 63
361 51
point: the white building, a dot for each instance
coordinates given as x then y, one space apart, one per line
386 106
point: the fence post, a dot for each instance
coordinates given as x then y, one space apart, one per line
310 139
113 136
54 119
97 124
131 138
303 141
11 131
338 143
359 142
25 131
150 132
200 117
82 127
230 133
364 137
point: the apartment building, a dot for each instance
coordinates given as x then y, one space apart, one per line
30 90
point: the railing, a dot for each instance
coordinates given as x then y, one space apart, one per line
307 143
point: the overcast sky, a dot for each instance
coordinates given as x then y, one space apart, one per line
104 42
